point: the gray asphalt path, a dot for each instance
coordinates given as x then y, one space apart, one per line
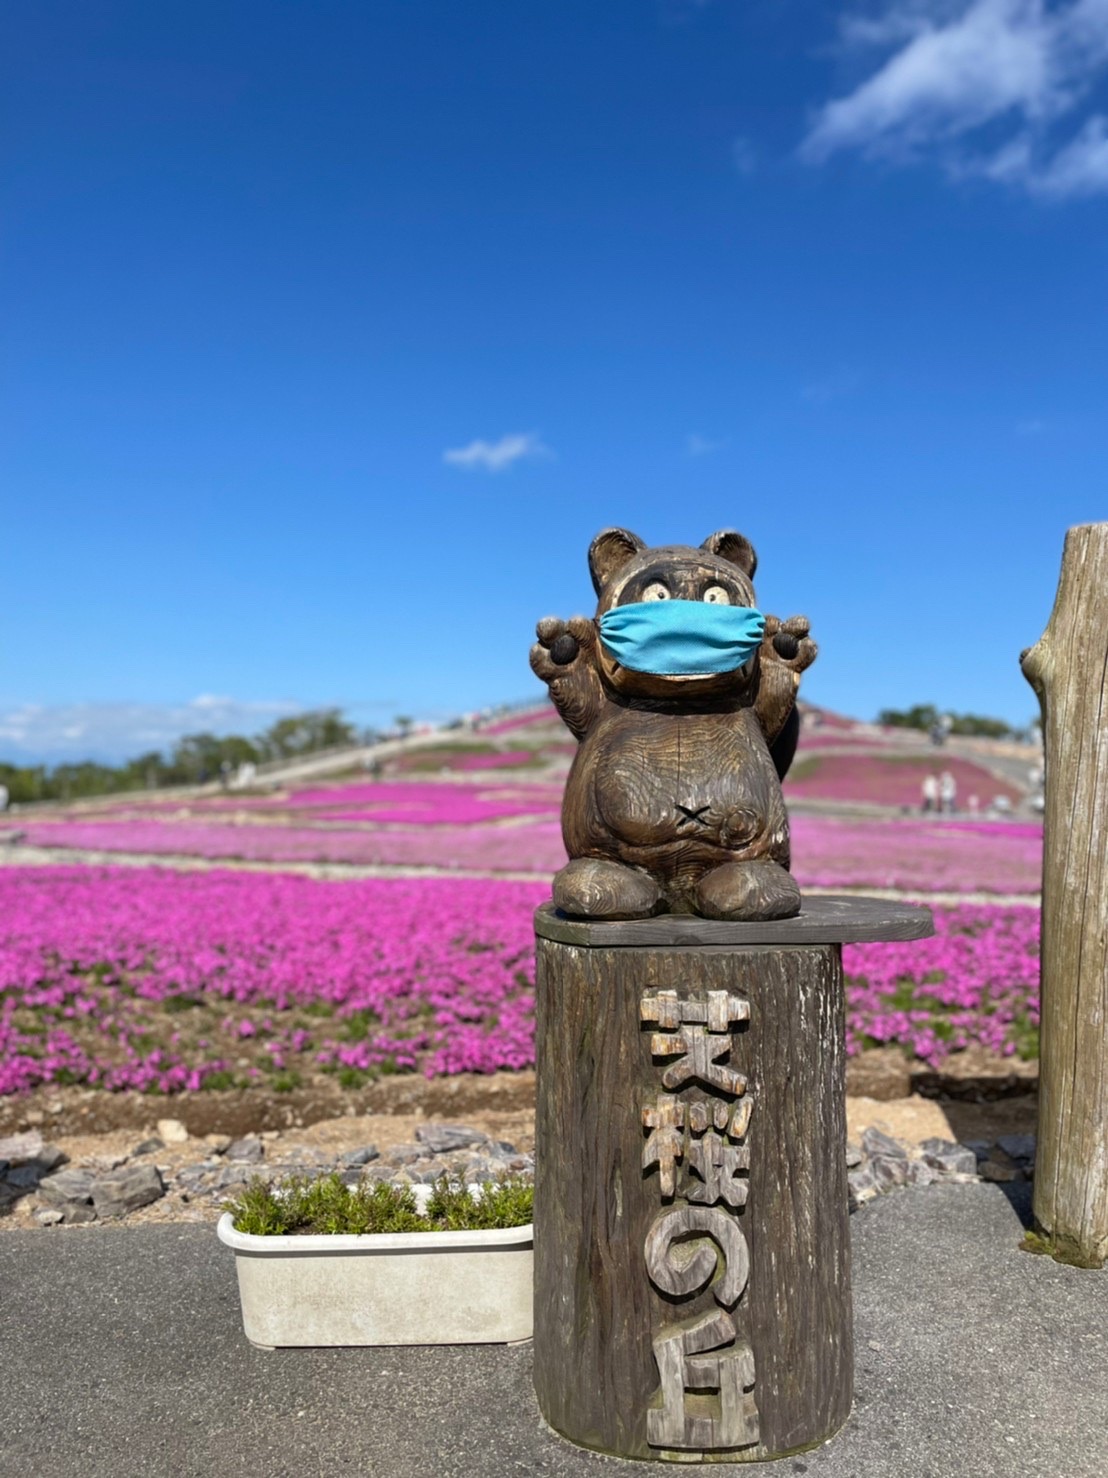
122 1354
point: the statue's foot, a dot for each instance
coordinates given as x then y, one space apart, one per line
594 889
747 890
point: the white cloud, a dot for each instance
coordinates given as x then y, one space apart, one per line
498 456
990 88
702 446
115 731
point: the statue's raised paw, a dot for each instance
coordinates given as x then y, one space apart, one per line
789 642
560 645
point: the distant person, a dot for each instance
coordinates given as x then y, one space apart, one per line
937 734
930 789
948 792
248 771
225 774
3 797
973 805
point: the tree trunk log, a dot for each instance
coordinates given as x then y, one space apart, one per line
1068 668
692 1254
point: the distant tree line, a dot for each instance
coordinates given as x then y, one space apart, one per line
927 717
193 759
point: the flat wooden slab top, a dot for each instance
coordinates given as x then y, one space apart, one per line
822 919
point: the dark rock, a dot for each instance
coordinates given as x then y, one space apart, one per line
195 1178
429 1173
1017 1146
231 1175
853 1156
442 1138
362 1156
980 1148
482 1168
75 1214
874 1142
889 1171
993 1170
407 1154
917 1173
68 1188
949 1158
126 1190
249 1150
862 1185
24 1177
148 1147
4 1168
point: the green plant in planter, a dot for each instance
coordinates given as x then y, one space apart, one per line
326 1205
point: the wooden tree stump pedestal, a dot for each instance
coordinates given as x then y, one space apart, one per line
692 1253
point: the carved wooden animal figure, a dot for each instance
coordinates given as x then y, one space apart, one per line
673 801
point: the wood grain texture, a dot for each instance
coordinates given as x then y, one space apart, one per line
823 919
675 790
1068 668
749 1142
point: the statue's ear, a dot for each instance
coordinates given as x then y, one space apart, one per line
729 545
609 552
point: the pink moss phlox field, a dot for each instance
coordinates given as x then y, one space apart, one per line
504 760
911 854
546 714
535 847
888 779
428 804
436 974
432 975
930 856
975 983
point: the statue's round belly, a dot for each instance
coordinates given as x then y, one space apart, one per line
715 807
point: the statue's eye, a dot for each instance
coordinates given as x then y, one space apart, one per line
655 591
715 595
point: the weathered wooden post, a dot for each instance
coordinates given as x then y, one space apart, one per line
692 1284
1068 668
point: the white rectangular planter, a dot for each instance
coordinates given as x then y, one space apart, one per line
400 1288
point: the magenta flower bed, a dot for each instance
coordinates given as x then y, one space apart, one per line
976 982
917 855
546 714
888 780
428 804
535 847
909 854
163 981
502 761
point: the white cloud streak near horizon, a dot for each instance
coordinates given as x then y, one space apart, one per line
992 89
122 730
498 456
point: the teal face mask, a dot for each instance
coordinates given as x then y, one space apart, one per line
681 638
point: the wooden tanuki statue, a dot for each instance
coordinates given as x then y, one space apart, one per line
682 697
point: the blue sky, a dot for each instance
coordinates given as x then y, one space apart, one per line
333 332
